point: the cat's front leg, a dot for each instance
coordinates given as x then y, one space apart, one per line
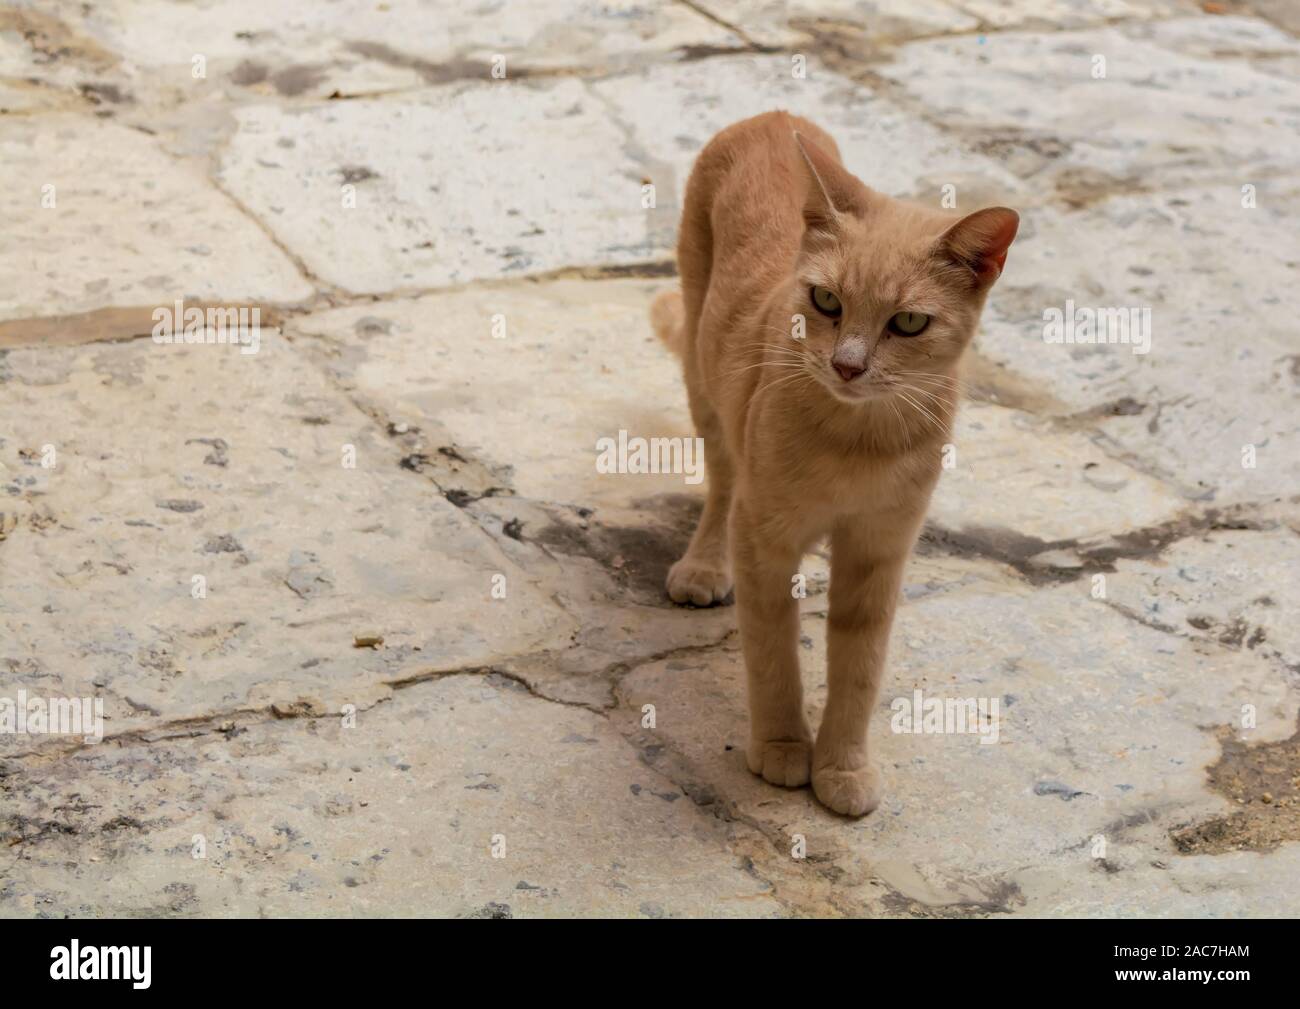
866 576
780 743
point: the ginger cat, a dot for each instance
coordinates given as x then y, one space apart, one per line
820 325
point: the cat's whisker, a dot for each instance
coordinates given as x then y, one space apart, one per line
945 403
939 381
783 358
773 365
784 380
902 424
919 408
927 376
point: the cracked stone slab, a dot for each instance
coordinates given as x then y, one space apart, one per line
792 23
1012 470
853 23
1103 731
519 452
1002 14
456 184
1268 49
462 798
570 362
222 548
46 65
1161 114
1221 373
674 111
425 359
152 232
1234 586
355 47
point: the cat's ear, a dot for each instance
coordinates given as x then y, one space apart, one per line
979 242
832 190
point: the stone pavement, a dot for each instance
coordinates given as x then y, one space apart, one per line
452 270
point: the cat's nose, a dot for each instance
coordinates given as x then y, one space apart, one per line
850 357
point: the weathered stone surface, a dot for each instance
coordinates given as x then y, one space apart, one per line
403 42
800 22
399 815
146 235
522 379
47 64
1102 733
1014 471
433 198
674 111
488 603
882 22
231 469
1157 114
1233 586
1220 372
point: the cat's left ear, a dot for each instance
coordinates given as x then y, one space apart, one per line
979 241
831 191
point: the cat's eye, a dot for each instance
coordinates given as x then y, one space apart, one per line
825 302
908 323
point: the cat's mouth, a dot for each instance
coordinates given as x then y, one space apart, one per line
857 390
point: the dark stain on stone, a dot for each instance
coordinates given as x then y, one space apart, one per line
1079 186
294 80
1019 551
691 53
180 505
491 910
217 457
1002 897
357 173
1014 549
637 557
502 682
373 325
224 544
514 529
99 92
463 498
1062 791
1263 781
658 268
249 72
434 73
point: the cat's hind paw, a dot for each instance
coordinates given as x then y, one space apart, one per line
698 583
782 762
850 793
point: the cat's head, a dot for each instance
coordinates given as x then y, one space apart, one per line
891 293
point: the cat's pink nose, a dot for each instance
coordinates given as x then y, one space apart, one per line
850 357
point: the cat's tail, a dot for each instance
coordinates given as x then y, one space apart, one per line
668 317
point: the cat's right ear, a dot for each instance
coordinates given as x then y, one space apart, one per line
832 191
979 242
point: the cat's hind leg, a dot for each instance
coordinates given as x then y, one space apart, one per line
703 575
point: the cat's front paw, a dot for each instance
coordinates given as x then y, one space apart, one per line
699 583
849 792
782 762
